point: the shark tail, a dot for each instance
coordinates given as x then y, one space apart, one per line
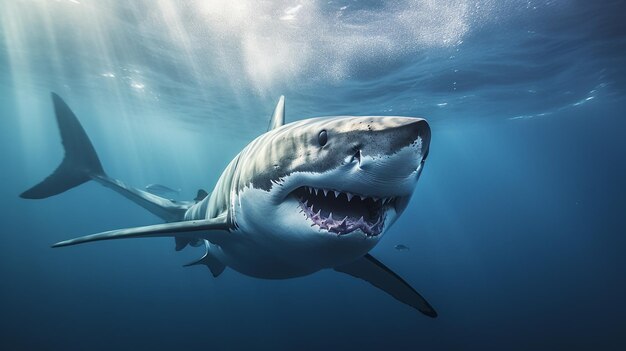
80 164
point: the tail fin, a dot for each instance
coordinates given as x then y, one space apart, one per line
80 163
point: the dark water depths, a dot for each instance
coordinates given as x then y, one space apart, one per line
516 230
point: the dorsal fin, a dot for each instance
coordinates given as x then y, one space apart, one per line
278 118
200 195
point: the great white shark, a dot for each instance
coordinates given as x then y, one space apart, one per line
313 194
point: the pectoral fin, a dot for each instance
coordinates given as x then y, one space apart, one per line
373 271
214 230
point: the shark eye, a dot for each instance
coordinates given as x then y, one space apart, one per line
322 138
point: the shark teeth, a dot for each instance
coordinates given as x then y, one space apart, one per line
345 225
371 223
383 200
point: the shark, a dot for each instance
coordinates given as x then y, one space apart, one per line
305 196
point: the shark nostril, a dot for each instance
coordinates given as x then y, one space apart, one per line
357 155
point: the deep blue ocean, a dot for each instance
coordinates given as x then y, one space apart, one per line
516 232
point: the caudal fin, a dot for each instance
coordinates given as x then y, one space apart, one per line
80 163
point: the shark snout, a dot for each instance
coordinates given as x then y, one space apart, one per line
388 159
415 130
393 135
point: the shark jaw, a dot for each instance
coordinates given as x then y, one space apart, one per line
359 199
342 212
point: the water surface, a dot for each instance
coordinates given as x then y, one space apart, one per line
516 227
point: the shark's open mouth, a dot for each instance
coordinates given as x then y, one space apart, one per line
343 212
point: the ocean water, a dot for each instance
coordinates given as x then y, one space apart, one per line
515 233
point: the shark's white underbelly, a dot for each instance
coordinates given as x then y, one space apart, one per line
247 257
280 250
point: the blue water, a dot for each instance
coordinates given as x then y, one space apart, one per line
516 231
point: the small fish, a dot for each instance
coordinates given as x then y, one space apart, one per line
161 189
401 247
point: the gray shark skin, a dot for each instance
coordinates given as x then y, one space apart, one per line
161 189
313 194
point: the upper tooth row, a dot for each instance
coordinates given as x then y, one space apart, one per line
349 195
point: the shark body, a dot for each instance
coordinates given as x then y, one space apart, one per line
305 196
